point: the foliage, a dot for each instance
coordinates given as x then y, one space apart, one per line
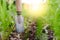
53 16
6 19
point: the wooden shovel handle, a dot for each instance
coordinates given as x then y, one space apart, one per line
18 5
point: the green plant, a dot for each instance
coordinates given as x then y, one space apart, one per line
6 19
53 16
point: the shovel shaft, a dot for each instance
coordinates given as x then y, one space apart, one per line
18 5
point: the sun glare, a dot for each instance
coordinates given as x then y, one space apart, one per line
36 7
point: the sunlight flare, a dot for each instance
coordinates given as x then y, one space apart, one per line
36 7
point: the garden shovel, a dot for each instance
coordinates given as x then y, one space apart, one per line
19 18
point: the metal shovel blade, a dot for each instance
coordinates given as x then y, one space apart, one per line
19 23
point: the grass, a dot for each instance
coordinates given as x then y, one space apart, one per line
52 17
6 20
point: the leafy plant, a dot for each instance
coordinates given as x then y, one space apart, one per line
6 19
